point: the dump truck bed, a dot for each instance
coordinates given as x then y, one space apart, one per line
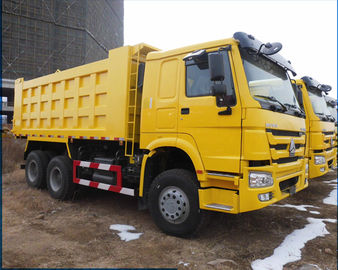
93 101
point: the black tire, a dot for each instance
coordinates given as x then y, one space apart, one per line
59 178
167 195
36 169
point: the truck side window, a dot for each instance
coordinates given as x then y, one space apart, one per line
198 79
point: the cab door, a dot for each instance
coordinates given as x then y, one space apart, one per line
203 116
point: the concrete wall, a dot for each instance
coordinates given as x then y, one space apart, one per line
41 36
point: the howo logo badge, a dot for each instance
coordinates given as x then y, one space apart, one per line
292 149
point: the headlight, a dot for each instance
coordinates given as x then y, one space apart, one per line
260 179
306 167
319 160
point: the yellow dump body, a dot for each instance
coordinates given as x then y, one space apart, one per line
92 101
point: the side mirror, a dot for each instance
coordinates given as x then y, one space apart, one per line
324 87
140 78
216 66
332 103
218 89
298 94
300 98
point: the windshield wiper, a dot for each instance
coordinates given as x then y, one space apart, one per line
302 113
271 98
323 116
330 117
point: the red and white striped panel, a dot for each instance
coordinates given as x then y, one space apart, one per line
106 167
123 190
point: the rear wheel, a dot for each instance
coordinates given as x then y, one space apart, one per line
174 204
36 169
59 178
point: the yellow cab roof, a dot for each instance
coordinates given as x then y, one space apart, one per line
210 44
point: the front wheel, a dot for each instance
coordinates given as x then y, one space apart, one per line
174 204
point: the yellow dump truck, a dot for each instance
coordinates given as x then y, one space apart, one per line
321 151
213 126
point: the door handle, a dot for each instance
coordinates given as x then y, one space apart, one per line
185 111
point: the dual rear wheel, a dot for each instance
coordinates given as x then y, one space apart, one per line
42 169
36 169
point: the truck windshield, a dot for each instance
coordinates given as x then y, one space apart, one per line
333 111
270 83
319 104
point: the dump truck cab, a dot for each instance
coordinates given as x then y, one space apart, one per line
230 106
320 127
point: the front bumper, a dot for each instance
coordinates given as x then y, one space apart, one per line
321 169
288 178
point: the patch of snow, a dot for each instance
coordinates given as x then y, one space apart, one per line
314 212
221 261
121 227
315 265
124 233
298 207
332 198
334 181
290 249
309 266
184 264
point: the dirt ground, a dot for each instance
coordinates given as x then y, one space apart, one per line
39 231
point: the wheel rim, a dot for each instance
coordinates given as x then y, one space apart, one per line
55 179
174 205
32 171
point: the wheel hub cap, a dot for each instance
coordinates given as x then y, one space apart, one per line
174 205
55 179
32 171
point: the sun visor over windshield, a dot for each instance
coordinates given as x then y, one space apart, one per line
249 42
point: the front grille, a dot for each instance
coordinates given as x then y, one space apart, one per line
285 146
328 132
278 146
259 163
317 151
299 145
288 133
286 184
286 160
